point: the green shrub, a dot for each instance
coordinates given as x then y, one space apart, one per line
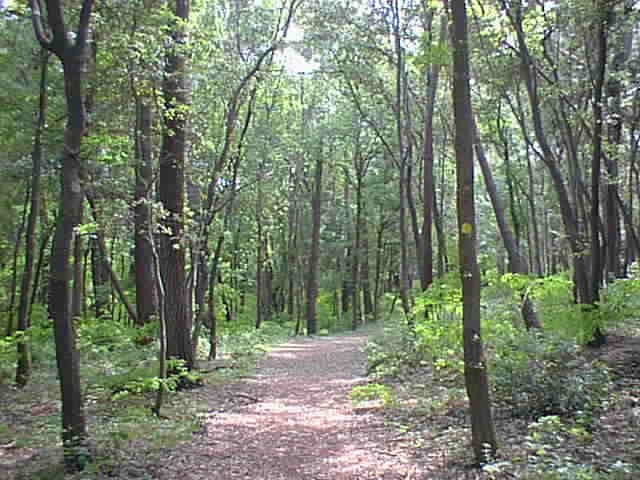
536 376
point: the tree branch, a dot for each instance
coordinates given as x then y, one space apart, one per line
38 27
83 25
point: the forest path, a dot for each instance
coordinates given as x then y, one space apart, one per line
297 423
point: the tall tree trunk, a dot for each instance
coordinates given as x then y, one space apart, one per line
355 260
171 191
378 275
569 218
100 278
614 133
483 435
598 88
17 246
72 53
365 276
146 291
77 296
428 189
534 221
23 369
515 260
314 258
402 160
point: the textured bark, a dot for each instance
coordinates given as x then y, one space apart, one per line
171 193
72 54
483 435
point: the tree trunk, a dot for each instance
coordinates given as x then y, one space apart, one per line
569 219
365 277
314 258
601 65
171 193
516 263
146 292
100 277
77 296
482 430
355 260
428 189
14 268
614 133
23 369
402 161
72 54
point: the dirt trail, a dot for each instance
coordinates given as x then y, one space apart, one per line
297 423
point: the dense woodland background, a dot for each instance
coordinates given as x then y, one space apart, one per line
177 175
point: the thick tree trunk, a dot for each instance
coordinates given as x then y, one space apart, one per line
72 54
74 432
171 194
483 435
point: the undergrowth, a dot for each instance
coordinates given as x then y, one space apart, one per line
541 377
119 370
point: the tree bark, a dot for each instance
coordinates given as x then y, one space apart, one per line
482 431
171 192
72 53
146 291
598 90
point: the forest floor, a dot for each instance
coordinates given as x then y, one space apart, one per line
292 418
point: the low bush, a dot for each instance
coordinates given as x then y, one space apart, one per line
535 376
